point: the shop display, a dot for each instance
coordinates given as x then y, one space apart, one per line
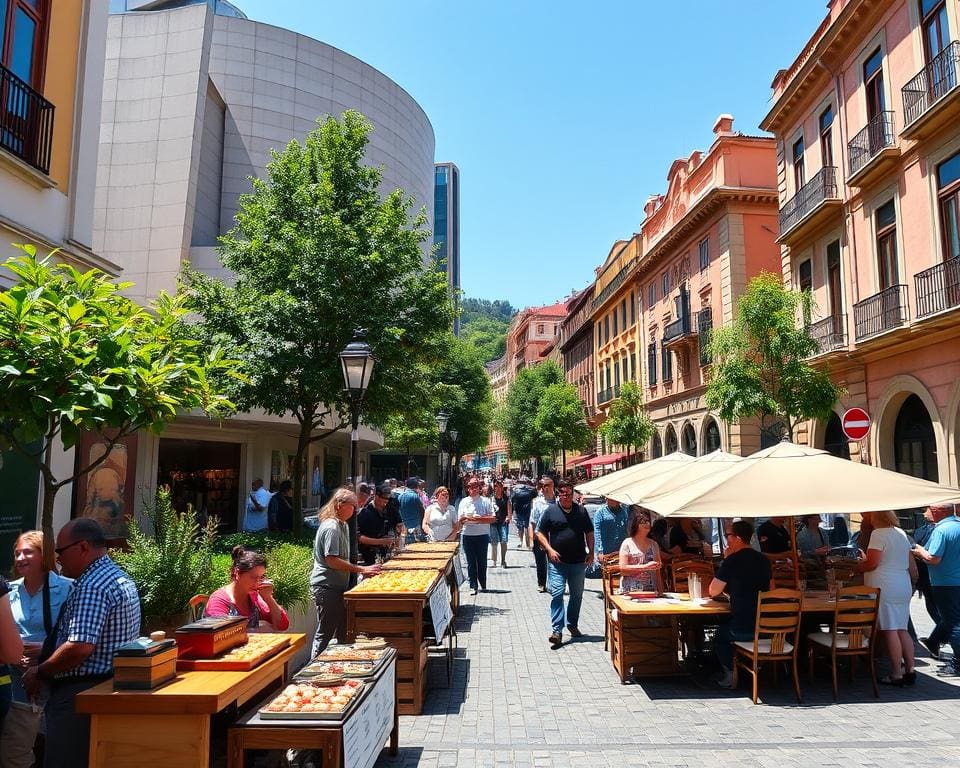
306 700
258 648
417 582
351 653
337 668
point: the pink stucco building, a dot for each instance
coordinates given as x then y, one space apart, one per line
867 125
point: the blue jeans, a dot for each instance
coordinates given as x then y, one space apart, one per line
475 548
559 575
723 642
948 628
522 522
500 532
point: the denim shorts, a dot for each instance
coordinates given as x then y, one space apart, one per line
521 521
500 532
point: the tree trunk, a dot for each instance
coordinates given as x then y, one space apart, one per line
46 523
303 445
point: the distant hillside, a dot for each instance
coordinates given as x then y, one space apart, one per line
484 324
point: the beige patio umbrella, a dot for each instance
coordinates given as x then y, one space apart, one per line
676 475
788 480
650 468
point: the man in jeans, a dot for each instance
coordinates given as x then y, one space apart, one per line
539 506
942 556
565 533
743 574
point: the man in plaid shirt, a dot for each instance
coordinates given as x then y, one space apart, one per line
101 614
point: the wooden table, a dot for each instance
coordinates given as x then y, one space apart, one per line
646 637
327 736
170 725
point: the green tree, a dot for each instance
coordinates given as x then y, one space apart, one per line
316 253
760 363
562 421
518 418
77 356
627 421
411 431
471 309
487 335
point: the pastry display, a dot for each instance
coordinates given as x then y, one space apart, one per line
306 699
336 668
398 581
350 653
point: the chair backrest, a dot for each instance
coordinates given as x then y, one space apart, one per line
611 581
680 573
856 615
778 619
784 576
613 558
197 604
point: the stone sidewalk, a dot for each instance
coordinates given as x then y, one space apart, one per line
515 702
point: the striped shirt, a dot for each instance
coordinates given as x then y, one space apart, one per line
103 610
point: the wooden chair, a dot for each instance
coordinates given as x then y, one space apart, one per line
611 583
681 570
775 636
668 559
197 604
783 574
854 631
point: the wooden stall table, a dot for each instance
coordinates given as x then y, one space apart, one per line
355 741
170 725
427 560
646 639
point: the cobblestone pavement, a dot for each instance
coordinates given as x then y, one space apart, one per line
515 702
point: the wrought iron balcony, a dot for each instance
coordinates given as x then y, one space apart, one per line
677 329
931 88
881 312
938 288
608 394
612 286
811 199
26 121
704 327
830 334
875 142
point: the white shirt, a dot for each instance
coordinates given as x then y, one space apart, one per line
254 519
441 521
481 508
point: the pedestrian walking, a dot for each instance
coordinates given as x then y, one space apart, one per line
521 502
500 530
942 556
476 514
566 535
539 506
609 527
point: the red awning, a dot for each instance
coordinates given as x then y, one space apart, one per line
602 461
582 459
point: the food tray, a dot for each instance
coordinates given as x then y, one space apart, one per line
271 644
409 564
379 585
363 669
374 655
266 714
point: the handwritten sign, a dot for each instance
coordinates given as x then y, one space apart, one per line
440 609
368 727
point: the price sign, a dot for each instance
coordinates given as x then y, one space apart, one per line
368 727
458 570
440 609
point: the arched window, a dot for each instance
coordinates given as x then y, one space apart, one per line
711 437
656 450
670 440
914 444
835 441
689 440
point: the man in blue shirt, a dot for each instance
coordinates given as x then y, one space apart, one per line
609 527
411 511
942 556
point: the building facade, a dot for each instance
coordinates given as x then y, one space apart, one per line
446 228
530 333
576 349
867 124
701 242
195 98
51 80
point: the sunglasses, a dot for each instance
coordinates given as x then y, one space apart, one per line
61 550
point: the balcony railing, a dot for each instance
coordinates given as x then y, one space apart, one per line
938 288
676 329
878 134
26 121
881 312
821 187
704 327
830 333
932 83
608 394
615 283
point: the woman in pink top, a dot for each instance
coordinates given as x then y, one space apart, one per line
249 593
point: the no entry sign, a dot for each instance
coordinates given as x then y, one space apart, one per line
856 423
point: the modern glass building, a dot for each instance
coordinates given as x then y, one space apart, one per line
446 226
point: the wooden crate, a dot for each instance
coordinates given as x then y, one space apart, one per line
646 645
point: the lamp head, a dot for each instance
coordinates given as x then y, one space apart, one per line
357 362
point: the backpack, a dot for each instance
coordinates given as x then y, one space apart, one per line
523 501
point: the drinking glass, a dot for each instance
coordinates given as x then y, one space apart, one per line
803 585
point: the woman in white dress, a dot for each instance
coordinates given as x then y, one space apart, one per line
889 566
639 557
440 520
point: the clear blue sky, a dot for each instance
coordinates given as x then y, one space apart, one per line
563 117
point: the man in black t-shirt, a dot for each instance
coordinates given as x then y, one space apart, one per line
566 534
743 575
377 524
774 537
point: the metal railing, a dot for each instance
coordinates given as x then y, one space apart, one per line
704 328
880 312
821 187
608 394
829 333
877 134
610 287
676 329
938 288
932 83
26 121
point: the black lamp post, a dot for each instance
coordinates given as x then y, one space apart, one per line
442 419
453 441
357 363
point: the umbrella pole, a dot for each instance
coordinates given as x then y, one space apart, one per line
796 555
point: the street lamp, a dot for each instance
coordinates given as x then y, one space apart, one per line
356 361
442 418
453 440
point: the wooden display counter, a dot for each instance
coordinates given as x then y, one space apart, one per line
446 563
170 725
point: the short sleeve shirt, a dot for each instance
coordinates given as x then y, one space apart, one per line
372 524
746 573
332 540
773 538
944 543
566 532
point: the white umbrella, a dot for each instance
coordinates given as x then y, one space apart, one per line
650 468
675 475
789 480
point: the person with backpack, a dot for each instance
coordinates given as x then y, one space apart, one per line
521 501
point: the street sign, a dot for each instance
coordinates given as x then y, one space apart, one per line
855 423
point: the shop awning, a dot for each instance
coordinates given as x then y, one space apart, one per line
603 461
581 459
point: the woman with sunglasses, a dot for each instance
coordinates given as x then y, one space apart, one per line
639 557
476 514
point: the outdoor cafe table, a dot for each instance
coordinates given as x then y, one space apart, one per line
170 725
646 636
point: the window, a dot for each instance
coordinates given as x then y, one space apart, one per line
23 39
805 275
799 174
633 310
948 191
606 329
614 314
616 374
933 22
652 363
623 314
873 84
704 254
651 295
826 137
665 279
667 362
886 221
834 285
624 369
540 329
633 368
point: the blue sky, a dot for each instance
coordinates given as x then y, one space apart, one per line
562 117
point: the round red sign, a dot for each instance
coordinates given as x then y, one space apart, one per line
856 423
